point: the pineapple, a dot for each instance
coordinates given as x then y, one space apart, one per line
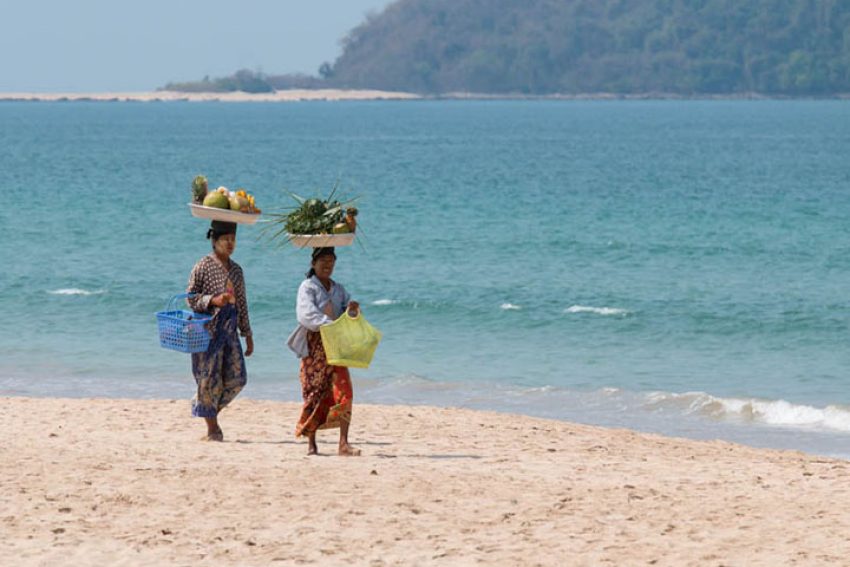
199 189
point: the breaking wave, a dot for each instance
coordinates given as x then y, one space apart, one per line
76 291
596 310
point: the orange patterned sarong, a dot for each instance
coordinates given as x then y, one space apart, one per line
326 390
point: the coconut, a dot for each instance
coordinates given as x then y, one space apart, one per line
217 200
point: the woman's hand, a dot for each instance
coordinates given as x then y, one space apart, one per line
249 346
353 308
223 299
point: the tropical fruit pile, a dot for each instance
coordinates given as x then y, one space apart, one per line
222 198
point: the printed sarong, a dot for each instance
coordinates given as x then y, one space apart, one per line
220 371
326 390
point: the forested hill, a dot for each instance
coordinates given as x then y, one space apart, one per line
779 47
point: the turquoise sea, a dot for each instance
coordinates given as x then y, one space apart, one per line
679 267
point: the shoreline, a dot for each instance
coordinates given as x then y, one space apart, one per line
100 481
821 442
305 95
294 95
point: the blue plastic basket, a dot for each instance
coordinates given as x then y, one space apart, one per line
181 330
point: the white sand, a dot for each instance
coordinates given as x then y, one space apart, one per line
115 482
292 95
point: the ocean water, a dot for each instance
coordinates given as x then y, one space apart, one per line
679 267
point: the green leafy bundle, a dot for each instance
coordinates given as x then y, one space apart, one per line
314 216
311 216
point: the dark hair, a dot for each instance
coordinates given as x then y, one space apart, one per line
318 253
219 229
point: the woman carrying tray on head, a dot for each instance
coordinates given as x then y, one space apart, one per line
326 389
219 286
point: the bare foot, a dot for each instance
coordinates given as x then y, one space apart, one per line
312 448
214 436
348 451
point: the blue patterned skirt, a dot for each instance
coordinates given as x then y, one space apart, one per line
220 371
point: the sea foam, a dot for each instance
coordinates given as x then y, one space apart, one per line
779 413
596 310
76 291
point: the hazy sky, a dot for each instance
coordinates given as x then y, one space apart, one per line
138 45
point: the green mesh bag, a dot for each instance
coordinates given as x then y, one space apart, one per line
350 341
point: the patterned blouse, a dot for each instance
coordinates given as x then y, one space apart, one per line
210 278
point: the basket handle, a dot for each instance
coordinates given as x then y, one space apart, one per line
170 305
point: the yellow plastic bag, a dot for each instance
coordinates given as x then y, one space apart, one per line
350 341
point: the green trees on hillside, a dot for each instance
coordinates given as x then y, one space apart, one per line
794 47
687 47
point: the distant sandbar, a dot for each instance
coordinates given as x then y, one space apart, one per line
293 95
296 95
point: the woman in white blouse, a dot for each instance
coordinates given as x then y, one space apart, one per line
326 389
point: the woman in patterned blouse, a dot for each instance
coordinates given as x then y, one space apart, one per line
326 389
219 288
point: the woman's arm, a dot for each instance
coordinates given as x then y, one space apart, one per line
307 309
200 302
346 297
349 304
242 319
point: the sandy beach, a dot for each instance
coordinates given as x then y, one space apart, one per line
292 95
127 482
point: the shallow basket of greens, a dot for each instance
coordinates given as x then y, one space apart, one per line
315 223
